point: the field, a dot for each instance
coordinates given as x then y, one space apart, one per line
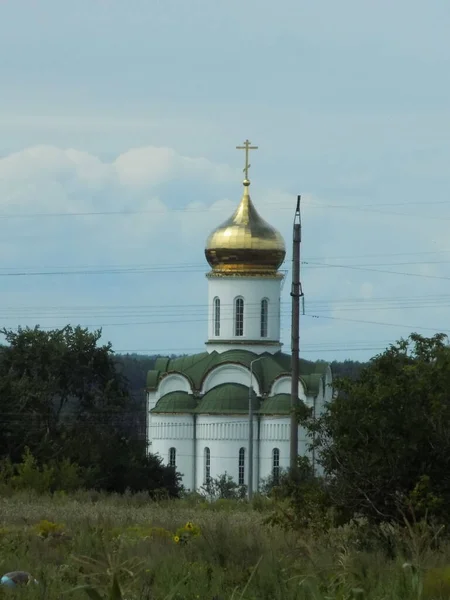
186 550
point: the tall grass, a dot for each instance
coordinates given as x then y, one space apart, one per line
128 548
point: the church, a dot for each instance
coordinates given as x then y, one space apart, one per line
198 406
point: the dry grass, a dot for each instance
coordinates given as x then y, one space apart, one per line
235 556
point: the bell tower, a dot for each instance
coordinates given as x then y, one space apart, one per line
244 284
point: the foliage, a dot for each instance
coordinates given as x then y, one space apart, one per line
186 533
107 554
384 442
63 398
302 499
28 475
46 528
223 488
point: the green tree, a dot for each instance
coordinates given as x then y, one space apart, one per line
384 441
62 397
223 488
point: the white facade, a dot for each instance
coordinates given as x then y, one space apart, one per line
192 435
259 330
224 438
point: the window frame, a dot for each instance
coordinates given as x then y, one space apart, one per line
241 469
216 316
239 307
276 464
173 457
264 318
207 465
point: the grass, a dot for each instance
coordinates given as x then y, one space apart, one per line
90 545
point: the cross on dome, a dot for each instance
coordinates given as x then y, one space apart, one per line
247 146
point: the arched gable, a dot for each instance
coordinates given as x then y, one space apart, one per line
282 385
174 382
229 373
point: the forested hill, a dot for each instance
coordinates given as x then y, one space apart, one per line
135 366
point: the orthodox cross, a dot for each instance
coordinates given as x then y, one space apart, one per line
247 146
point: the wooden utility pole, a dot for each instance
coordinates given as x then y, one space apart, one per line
296 294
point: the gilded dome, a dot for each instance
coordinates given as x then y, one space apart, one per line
245 242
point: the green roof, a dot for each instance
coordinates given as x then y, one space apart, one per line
175 402
197 366
227 398
280 404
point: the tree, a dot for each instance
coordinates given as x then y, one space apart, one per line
62 397
384 441
223 488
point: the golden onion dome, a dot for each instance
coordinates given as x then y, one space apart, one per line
245 243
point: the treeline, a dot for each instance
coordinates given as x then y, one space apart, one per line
70 417
383 442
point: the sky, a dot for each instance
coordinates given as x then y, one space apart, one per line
118 128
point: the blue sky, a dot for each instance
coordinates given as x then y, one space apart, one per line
110 106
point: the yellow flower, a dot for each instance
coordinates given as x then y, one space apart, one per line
189 526
176 539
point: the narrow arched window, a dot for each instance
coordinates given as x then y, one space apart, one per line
207 460
239 317
172 457
264 317
276 465
216 316
241 466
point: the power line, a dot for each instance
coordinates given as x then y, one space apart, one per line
357 305
367 207
411 327
203 265
405 300
188 270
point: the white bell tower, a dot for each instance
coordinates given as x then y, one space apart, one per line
244 285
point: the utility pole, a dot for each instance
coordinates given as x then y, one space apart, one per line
250 431
296 294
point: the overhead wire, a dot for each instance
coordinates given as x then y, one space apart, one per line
360 207
197 267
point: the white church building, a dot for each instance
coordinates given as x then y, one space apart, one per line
198 405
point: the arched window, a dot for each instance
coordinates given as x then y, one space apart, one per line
264 317
216 316
276 465
239 317
207 459
241 466
172 457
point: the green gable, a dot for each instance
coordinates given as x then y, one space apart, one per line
197 366
175 402
227 398
280 404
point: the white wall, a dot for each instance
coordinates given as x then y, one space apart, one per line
174 382
252 290
174 431
227 373
283 386
275 433
224 436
